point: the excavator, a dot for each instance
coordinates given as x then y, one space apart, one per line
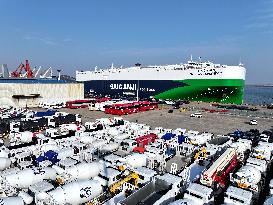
18 72
116 186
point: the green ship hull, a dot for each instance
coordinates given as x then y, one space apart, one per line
207 90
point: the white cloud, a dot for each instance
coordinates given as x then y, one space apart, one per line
262 18
67 40
46 41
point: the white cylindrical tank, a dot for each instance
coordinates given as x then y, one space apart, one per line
76 192
122 136
110 147
4 153
11 201
64 153
99 143
47 147
113 131
26 197
249 174
4 163
25 137
84 170
27 177
136 160
87 139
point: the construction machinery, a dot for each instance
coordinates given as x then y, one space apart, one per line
117 185
19 71
201 154
217 173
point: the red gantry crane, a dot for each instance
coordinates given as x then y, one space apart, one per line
18 72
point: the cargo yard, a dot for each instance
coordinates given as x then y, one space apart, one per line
217 123
136 103
146 153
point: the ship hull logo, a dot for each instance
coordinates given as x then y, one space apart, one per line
124 86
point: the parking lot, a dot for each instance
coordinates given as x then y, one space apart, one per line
217 123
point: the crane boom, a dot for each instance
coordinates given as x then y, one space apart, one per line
114 187
219 169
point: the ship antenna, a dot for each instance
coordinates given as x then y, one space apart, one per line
112 67
191 57
240 62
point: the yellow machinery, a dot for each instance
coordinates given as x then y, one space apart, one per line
133 176
59 180
202 153
183 109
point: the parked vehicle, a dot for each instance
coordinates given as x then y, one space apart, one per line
197 115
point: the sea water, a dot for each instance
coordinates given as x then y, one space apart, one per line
258 95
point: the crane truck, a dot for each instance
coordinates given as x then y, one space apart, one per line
216 174
213 180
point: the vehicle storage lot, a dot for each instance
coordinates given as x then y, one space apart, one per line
217 123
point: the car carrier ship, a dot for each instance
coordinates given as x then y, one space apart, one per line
193 81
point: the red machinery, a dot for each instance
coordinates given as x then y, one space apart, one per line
143 141
18 72
78 104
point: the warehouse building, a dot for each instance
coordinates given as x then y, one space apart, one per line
26 92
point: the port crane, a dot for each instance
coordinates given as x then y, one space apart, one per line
23 67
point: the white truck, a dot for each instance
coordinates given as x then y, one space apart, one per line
262 151
103 123
249 178
201 138
259 164
20 138
197 194
238 196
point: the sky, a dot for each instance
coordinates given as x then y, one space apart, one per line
81 34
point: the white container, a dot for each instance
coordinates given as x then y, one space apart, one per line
64 153
110 147
26 137
136 160
84 170
4 153
87 139
76 192
25 178
99 143
47 147
4 163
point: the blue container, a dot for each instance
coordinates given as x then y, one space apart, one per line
52 156
181 138
46 113
40 159
168 136
238 133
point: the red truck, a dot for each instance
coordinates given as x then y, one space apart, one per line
129 108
